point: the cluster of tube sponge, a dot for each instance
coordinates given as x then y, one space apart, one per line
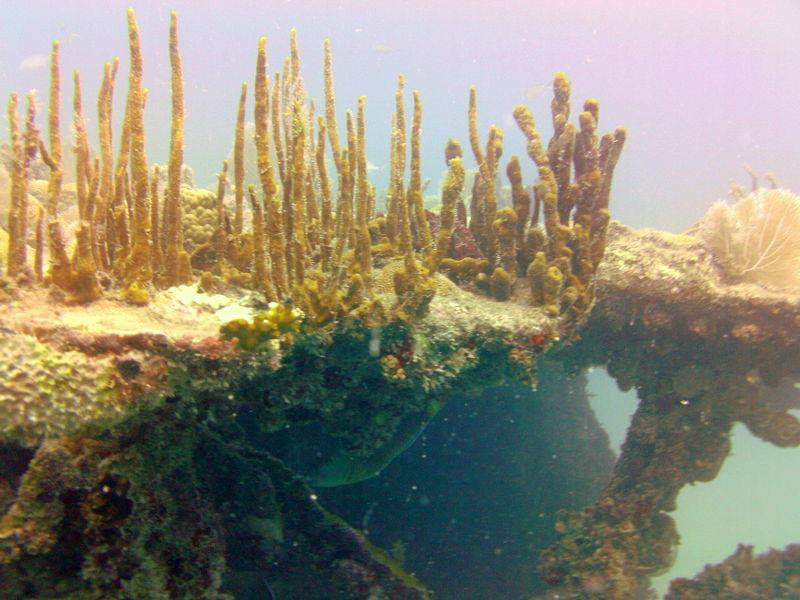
307 239
560 259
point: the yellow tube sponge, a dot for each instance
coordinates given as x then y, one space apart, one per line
299 238
536 272
38 259
547 188
84 286
105 190
23 149
561 147
30 144
238 162
451 194
118 252
587 166
16 237
174 262
452 150
352 152
156 252
472 122
500 284
553 284
59 269
325 190
272 204
610 149
392 218
260 278
138 266
219 205
330 103
505 232
521 199
277 139
464 268
363 241
494 148
423 230
343 227
404 214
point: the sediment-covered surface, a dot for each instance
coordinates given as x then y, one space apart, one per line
667 281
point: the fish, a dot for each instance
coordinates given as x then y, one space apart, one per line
270 593
34 61
343 469
375 342
533 92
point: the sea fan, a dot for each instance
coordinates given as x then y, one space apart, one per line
757 239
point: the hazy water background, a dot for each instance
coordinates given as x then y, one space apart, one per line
703 87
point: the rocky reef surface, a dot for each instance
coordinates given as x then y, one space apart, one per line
131 467
130 471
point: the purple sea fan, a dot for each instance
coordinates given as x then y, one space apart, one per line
756 240
462 243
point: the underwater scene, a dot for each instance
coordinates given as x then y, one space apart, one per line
459 300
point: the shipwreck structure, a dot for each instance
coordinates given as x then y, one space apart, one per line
145 366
